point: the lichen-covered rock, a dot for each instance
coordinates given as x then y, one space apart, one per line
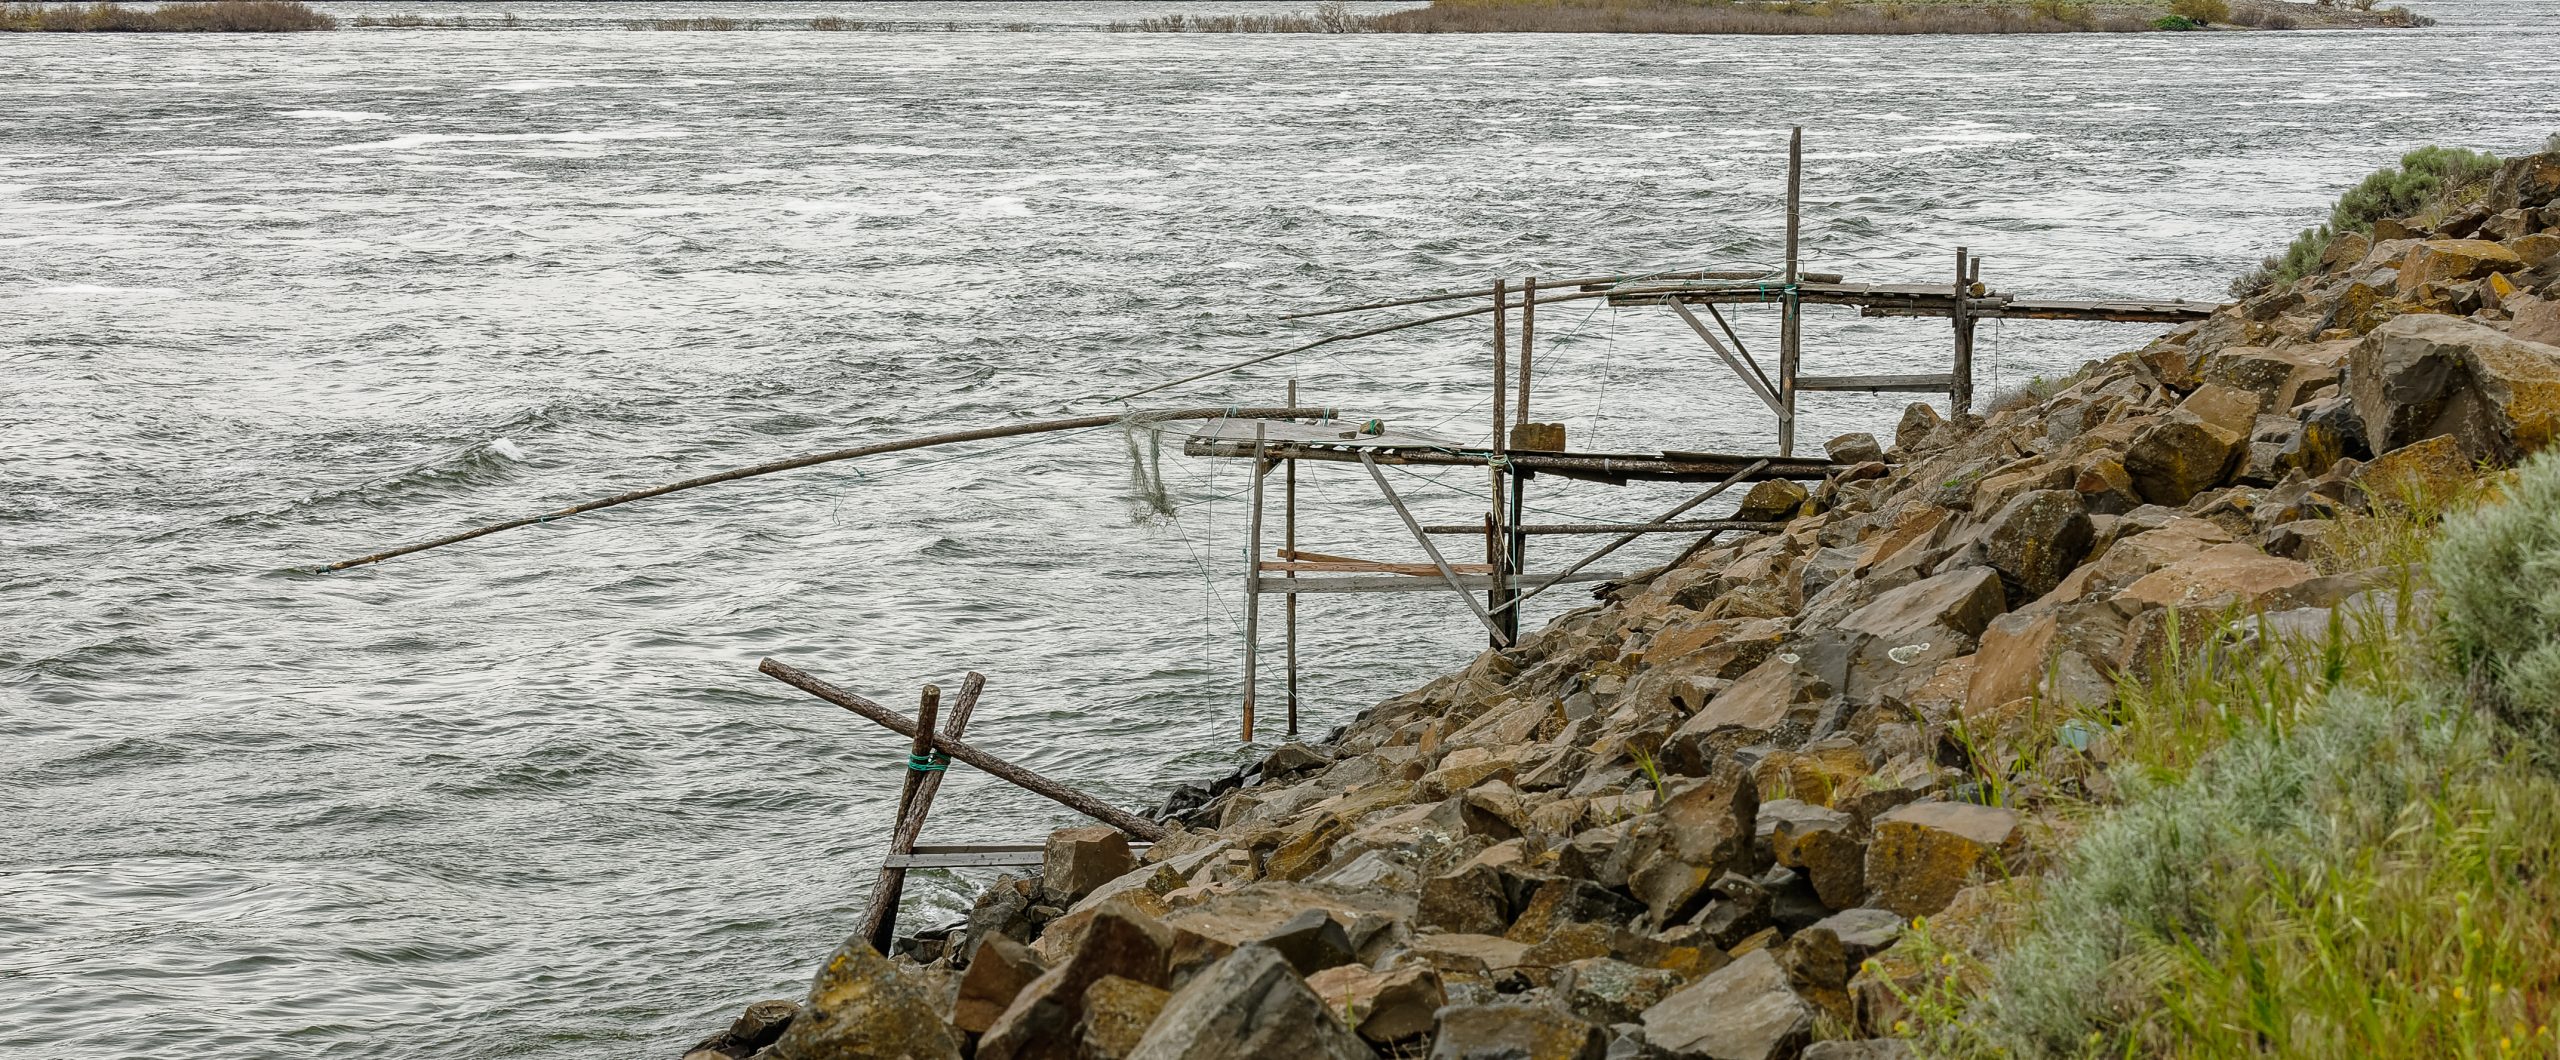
1606 991
861 1006
1385 1007
995 977
1854 448
2218 577
2452 260
1077 860
1743 1011
1515 1032
1117 1013
2178 456
1249 1005
1923 853
1041 1023
1771 500
1919 429
2036 539
1702 831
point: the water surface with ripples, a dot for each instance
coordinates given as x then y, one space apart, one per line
271 301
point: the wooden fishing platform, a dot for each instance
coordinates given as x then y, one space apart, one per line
1343 442
1520 450
1919 300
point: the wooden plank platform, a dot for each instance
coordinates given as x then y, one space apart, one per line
978 856
1678 526
1397 583
1938 383
1613 468
1925 300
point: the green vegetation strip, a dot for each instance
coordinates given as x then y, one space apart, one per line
213 16
2343 843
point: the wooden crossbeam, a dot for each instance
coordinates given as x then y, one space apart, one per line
1397 583
1678 526
1410 570
1930 383
979 856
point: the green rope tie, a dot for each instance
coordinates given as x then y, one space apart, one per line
1374 427
929 762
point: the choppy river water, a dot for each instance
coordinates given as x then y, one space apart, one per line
269 301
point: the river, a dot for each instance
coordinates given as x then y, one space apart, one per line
267 302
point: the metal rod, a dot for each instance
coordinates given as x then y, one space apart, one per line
1624 539
1136 826
1289 540
875 449
1370 461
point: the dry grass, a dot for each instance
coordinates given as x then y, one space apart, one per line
203 16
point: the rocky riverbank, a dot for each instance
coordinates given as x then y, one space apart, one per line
1699 818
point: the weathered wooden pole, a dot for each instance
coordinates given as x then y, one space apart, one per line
919 753
915 802
1791 326
1136 826
1497 541
1960 393
876 449
1289 539
1253 580
1516 545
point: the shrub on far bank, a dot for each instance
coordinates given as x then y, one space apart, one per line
196 16
2201 12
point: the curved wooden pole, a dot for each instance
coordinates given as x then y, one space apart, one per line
875 449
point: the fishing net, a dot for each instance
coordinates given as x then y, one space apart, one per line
1149 500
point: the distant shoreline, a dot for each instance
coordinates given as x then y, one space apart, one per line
193 16
1679 17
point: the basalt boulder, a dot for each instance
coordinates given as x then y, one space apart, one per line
861 1005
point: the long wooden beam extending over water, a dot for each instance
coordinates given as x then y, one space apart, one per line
1613 468
1010 430
1920 300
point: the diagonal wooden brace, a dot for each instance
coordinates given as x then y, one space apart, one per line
1134 825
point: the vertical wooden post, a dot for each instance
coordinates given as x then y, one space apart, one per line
1516 548
1528 333
1960 394
880 919
1497 548
1289 540
1253 579
1791 327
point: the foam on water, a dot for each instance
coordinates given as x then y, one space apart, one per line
265 305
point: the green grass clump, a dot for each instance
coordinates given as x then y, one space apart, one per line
2323 847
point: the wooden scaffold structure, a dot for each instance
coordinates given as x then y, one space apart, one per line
1520 449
